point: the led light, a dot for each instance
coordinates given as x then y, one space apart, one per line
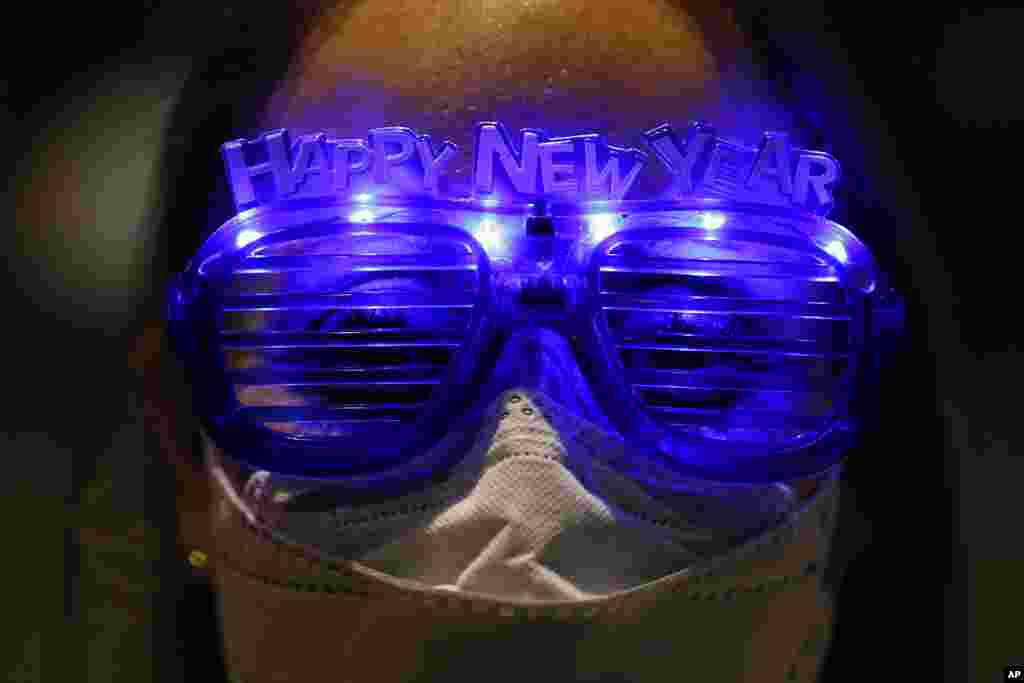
601 225
712 220
247 237
361 216
363 197
488 234
837 250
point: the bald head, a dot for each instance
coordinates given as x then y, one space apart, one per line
617 67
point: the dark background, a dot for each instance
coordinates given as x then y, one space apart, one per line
931 535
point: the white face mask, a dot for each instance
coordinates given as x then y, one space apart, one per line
532 512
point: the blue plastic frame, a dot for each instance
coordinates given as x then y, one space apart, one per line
192 310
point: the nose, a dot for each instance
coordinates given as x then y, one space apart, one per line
542 360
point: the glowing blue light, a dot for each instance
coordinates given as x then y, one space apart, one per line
363 197
361 216
712 220
488 235
601 225
247 237
489 202
838 250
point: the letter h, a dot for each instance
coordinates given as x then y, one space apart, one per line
241 173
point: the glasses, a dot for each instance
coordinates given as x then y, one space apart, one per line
342 335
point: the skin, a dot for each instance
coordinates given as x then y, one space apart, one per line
617 67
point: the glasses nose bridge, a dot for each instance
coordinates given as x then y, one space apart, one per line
537 267
542 359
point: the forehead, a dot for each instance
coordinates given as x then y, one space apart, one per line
615 67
